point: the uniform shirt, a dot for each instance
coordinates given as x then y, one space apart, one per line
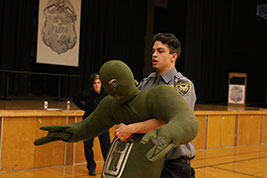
186 88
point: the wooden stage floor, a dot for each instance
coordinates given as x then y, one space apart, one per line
234 162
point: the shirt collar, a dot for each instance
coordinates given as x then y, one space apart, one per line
167 76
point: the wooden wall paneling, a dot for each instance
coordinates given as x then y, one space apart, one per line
52 153
248 129
79 156
264 129
18 135
214 131
200 140
1 140
221 131
0 129
70 146
79 152
228 131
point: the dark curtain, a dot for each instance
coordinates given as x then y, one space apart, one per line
207 48
15 39
15 34
222 37
110 29
177 25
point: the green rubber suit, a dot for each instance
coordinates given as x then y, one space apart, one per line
144 155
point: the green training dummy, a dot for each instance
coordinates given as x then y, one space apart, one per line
142 156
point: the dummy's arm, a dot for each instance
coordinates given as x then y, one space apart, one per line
96 123
124 132
181 127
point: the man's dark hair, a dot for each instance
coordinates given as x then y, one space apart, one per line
169 39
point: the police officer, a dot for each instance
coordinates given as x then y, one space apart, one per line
165 51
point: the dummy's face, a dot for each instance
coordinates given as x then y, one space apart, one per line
162 60
116 89
97 86
118 80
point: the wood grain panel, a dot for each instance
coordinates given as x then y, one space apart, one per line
70 146
79 156
200 140
214 131
248 129
17 144
79 153
221 131
264 129
52 153
228 131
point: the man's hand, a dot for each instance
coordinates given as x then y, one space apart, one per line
54 133
123 132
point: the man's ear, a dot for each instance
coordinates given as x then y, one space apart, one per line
174 57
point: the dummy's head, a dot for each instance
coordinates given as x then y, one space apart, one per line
118 80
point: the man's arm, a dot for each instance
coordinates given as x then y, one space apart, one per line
124 132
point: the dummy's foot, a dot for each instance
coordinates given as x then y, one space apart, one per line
92 173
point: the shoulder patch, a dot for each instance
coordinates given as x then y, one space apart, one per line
183 88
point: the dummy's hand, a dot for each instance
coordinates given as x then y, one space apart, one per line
162 145
54 133
123 132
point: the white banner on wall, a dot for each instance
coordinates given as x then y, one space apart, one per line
59 32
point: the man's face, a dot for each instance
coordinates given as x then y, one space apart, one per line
162 60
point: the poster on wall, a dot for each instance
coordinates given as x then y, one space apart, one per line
59 32
236 94
237 89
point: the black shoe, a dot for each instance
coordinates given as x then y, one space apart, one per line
92 173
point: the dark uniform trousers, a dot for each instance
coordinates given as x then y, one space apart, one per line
89 154
178 168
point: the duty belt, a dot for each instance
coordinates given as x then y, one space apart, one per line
184 159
